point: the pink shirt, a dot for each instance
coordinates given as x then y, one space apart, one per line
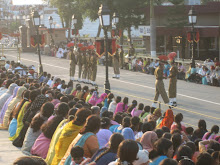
136 112
174 126
119 108
41 146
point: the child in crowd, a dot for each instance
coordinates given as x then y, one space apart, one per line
77 153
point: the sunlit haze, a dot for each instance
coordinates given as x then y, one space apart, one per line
25 2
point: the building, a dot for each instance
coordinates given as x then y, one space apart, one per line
174 38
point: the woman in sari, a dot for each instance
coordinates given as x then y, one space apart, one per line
67 135
101 99
168 119
31 112
24 108
12 104
148 139
13 124
5 106
86 139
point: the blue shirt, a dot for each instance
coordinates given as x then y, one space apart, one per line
158 160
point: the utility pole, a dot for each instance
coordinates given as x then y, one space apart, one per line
152 30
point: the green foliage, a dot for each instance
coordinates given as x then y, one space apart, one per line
14 26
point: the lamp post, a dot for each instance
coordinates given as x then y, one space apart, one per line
193 20
105 20
74 20
115 21
36 22
51 30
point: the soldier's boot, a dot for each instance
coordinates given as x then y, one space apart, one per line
72 78
115 76
118 76
174 102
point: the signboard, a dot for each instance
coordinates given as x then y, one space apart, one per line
144 30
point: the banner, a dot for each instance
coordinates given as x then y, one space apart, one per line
100 47
144 30
34 40
190 36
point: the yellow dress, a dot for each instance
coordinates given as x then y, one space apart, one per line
19 120
56 135
70 131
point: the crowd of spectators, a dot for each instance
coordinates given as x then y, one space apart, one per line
55 123
207 73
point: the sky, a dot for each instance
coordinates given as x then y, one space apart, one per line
26 2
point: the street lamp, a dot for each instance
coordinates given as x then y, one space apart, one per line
36 22
74 20
105 20
115 19
193 20
51 30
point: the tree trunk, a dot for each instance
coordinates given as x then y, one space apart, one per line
153 35
183 47
99 31
122 37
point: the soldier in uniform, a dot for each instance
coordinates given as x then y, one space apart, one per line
88 67
116 65
79 62
73 63
85 67
131 51
160 89
93 67
122 57
172 84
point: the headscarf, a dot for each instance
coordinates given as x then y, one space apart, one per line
6 95
94 98
168 119
34 108
128 133
102 98
146 140
11 105
143 157
157 112
5 106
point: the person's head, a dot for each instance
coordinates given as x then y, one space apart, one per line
125 100
167 135
184 151
147 109
169 161
92 124
148 139
135 123
186 161
33 95
215 129
95 110
62 109
147 127
189 130
216 156
29 160
192 146
140 106
166 129
105 123
81 116
70 84
127 151
152 109
214 145
177 140
118 118
64 99
77 153
134 103
162 147
45 112
202 124
114 141
126 122
204 159
118 99
153 123
178 118
159 132
8 83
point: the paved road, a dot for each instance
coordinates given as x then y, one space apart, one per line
195 101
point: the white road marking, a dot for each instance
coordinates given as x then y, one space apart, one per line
191 97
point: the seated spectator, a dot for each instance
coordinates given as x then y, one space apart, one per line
145 112
148 140
29 160
212 134
77 153
152 67
181 71
137 111
177 123
113 104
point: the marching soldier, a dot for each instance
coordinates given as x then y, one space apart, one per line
88 67
85 67
172 84
122 57
93 67
79 62
73 63
160 90
116 65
